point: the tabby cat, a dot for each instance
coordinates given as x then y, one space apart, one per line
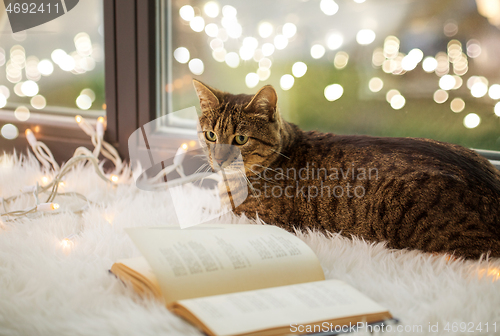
408 192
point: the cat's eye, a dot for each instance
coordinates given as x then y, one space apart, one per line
210 136
241 139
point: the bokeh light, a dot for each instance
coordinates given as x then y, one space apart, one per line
365 36
375 84
251 80
429 64
212 29
83 102
472 120
232 59
181 55
18 91
479 89
58 55
4 91
250 42
45 67
378 57
341 59
265 63
458 82
299 69
197 24
246 53
443 64
264 74
286 82
494 91
29 88
220 54
38 102
196 66
186 12
440 96
90 93
447 82
317 51
333 92
22 113
391 47
473 48
229 11
398 102
450 28
280 42
211 8
390 94
3 101
9 131
265 29
334 41
289 30
457 105
329 7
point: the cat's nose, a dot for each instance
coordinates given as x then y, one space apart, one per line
220 161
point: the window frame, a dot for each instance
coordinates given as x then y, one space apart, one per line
130 39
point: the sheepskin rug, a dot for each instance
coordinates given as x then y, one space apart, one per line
49 288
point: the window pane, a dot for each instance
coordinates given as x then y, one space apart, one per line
388 68
57 67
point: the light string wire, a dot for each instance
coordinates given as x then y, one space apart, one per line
46 158
84 155
44 196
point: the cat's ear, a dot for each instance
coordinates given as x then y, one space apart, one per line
264 102
206 95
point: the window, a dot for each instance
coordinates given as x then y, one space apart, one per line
49 74
57 67
387 68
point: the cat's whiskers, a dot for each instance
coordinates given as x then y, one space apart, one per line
252 189
280 154
205 171
201 167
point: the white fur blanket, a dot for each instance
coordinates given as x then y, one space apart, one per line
49 289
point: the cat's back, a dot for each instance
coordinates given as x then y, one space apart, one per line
398 157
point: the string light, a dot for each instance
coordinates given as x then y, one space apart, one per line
68 243
50 187
42 152
47 207
109 217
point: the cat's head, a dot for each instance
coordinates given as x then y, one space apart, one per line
250 123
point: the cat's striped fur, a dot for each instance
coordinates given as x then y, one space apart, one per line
423 194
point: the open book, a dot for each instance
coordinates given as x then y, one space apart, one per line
232 279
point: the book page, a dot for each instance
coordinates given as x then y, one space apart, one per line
224 258
283 308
